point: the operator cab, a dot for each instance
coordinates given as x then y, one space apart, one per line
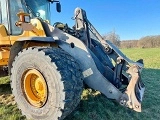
36 8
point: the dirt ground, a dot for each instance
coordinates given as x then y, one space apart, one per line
6 96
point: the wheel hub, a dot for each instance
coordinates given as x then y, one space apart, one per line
34 87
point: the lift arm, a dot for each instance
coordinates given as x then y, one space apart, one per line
124 69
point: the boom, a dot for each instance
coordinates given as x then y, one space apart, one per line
125 71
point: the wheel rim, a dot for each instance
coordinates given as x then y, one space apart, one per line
34 88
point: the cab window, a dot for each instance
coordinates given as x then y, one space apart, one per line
4 15
15 6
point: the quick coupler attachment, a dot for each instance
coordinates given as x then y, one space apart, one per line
132 97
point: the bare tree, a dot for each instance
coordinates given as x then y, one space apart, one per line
129 44
149 41
113 37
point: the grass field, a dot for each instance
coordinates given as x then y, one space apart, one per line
95 106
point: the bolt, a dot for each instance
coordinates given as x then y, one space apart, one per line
123 102
119 61
110 91
137 106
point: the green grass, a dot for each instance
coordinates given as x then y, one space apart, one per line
4 80
95 106
10 112
151 56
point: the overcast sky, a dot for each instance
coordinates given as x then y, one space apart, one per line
131 19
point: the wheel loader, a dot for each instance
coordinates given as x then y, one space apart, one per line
49 65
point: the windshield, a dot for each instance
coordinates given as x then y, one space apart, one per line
38 8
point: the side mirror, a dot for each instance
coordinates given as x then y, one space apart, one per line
58 7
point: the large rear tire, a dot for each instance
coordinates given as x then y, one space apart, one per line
46 82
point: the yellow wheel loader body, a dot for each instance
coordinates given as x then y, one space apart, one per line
49 64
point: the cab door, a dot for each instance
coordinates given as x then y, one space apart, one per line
4 23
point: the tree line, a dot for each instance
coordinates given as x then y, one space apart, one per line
144 42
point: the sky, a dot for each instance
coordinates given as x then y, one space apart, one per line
131 19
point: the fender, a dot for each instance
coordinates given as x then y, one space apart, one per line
18 46
40 39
